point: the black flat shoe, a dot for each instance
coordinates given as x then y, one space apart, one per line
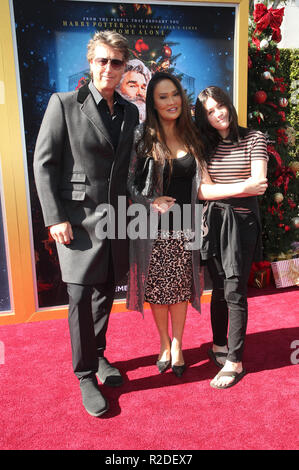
179 370
162 366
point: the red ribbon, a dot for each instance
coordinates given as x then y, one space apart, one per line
276 210
281 136
268 18
260 274
291 203
272 104
271 150
283 175
256 41
282 115
279 84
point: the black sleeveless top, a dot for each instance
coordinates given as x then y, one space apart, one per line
177 183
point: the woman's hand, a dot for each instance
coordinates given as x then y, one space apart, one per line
163 203
255 186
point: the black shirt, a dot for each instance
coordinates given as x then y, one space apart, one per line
178 184
112 122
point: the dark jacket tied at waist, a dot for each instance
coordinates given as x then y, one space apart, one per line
225 244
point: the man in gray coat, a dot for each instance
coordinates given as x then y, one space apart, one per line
81 164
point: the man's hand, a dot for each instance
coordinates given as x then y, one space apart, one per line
62 233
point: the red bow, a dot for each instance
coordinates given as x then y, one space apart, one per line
264 18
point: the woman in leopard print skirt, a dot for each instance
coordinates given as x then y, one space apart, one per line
165 268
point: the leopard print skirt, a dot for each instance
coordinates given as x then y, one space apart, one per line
170 275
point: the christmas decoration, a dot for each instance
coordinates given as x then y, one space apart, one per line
282 115
141 46
264 44
155 51
295 222
268 111
286 273
283 102
167 51
278 197
266 19
165 65
266 75
260 274
260 96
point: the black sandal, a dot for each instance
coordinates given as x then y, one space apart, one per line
237 377
213 355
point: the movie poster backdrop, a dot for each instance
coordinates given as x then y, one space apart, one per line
193 41
4 283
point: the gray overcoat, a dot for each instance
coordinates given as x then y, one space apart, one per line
141 248
76 170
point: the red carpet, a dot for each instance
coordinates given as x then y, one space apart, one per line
41 403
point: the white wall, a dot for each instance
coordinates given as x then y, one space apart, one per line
290 25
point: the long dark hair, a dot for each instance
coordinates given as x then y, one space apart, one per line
210 135
153 140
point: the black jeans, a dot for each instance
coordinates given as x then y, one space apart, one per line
229 307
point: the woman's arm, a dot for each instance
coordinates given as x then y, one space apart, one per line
256 185
134 193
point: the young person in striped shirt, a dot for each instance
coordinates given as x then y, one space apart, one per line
236 173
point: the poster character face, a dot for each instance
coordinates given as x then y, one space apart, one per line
134 84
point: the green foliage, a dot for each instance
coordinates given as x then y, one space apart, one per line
273 72
290 70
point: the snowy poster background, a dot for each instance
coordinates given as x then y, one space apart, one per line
196 42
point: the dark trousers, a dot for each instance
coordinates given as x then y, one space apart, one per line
89 311
229 307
